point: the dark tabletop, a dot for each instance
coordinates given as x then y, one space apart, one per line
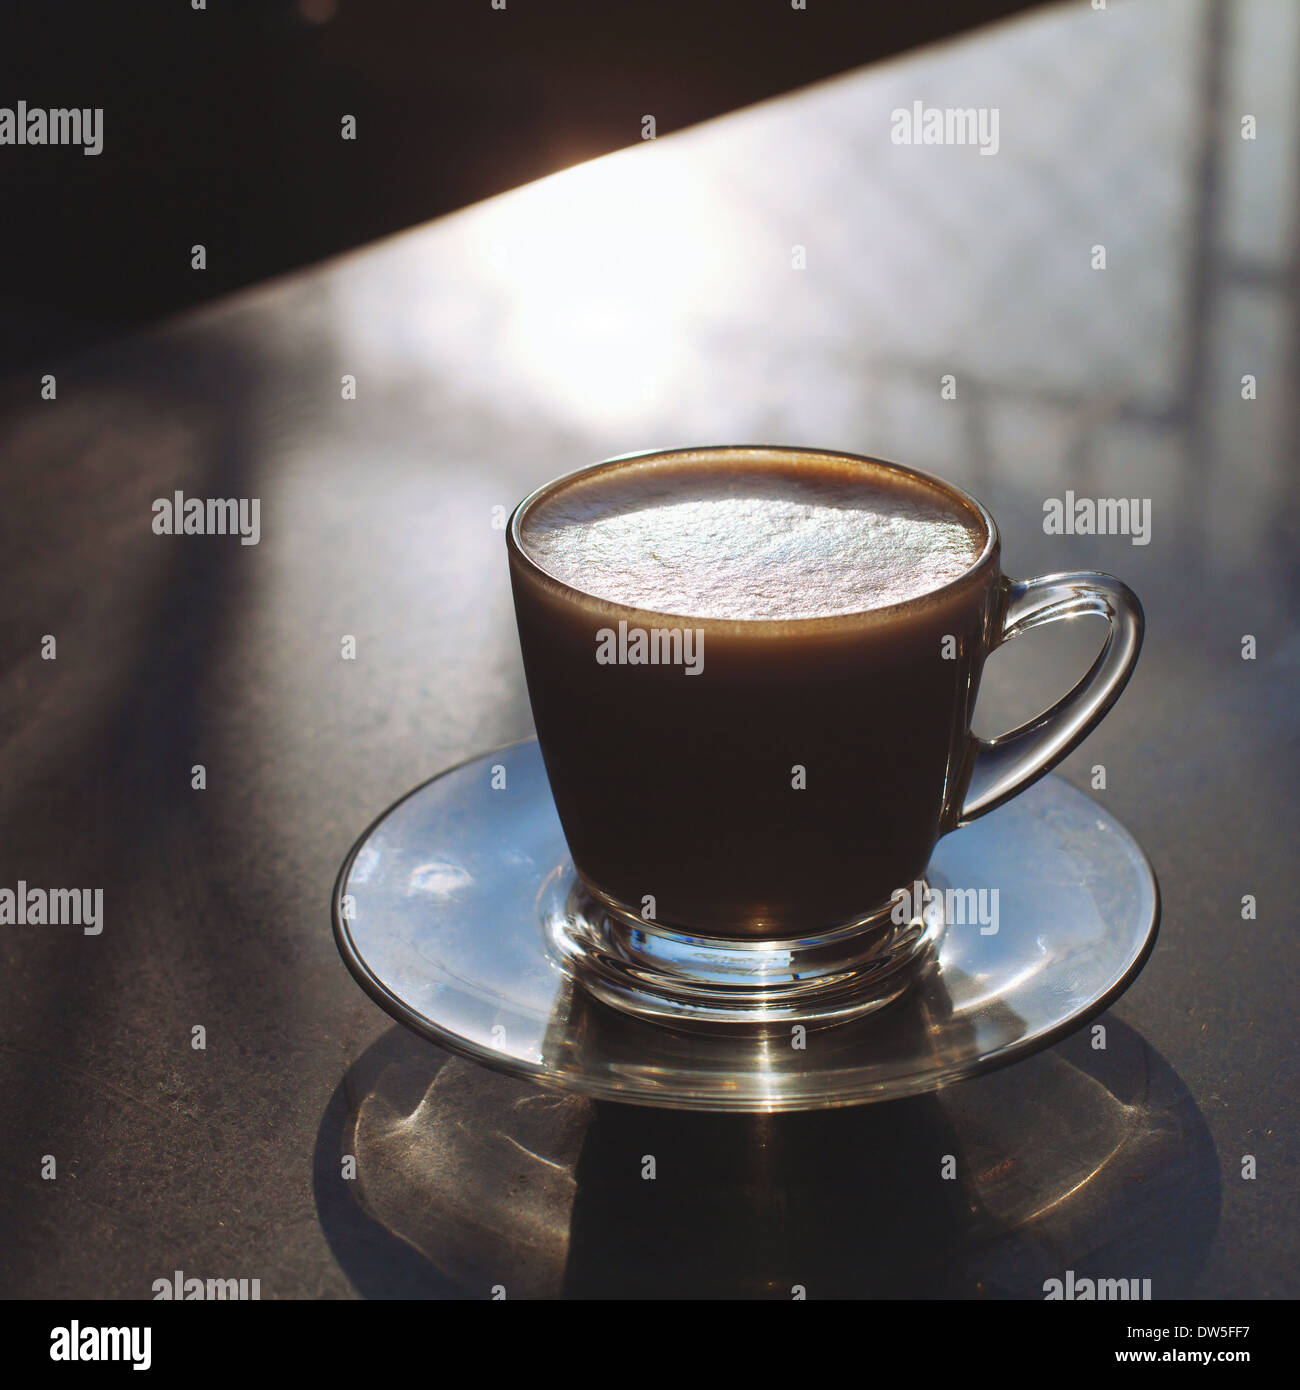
647 300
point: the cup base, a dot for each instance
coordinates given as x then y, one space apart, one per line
438 907
717 984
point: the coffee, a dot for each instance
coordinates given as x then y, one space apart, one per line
843 608
761 538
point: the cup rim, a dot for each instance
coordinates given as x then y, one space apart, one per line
885 612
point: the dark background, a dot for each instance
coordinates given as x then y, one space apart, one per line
222 126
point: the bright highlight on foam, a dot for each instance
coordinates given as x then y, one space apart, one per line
752 537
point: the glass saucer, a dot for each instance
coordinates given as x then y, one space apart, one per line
440 913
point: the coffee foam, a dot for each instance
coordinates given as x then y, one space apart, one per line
752 536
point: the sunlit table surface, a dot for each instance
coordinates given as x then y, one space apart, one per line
787 274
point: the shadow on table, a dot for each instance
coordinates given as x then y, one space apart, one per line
472 1184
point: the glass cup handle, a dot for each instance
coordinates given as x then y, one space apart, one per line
1013 761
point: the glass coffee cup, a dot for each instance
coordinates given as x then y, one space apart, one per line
753 672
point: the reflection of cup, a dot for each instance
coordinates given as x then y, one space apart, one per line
753 672
494 1182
